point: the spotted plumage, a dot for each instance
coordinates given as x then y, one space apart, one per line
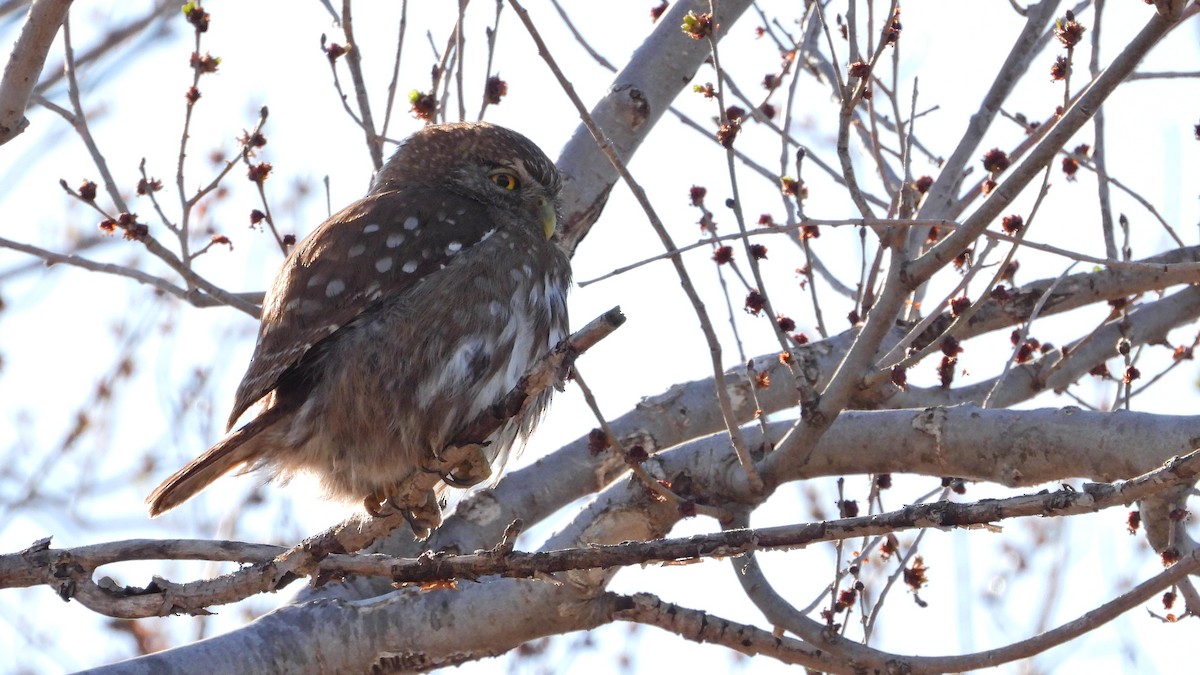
401 318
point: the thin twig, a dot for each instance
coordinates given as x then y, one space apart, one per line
491 54
460 43
81 125
391 96
1037 309
1055 138
738 209
656 487
354 63
194 298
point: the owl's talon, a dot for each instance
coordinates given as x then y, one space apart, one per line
460 483
424 517
472 471
375 506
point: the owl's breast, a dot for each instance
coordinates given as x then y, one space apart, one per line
504 317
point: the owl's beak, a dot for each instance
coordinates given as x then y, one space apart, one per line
548 217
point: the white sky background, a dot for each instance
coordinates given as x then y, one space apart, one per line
55 334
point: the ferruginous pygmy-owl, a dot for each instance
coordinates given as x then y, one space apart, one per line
401 318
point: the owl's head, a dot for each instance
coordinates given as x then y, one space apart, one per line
490 164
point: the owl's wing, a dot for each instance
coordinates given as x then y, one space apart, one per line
374 249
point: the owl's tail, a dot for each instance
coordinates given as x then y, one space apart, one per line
238 448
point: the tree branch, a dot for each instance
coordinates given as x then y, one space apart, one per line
25 64
639 95
70 571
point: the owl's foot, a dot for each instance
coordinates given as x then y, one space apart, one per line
475 469
374 507
422 517
425 517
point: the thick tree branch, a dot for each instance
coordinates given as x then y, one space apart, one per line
25 63
422 648
40 564
1014 448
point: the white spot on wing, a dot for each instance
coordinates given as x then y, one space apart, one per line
453 247
356 250
411 223
334 287
395 239
410 266
487 235
370 228
383 264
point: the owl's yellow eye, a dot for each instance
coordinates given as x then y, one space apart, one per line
505 180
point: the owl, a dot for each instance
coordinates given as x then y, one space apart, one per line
398 320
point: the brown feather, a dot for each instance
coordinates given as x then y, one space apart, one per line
231 452
298 312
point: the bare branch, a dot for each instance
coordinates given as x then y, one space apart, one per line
196 297
1018 177
705 628
354 62
606 146
638 97
25 64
